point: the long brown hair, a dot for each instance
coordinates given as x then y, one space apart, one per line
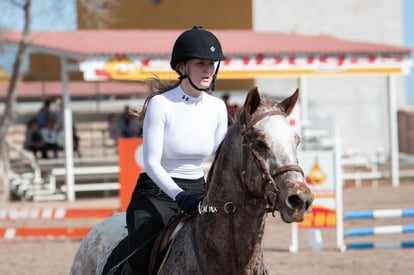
156 86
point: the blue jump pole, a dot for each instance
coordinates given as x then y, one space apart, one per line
380 230
379 213
373 245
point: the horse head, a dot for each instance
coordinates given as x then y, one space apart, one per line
259 153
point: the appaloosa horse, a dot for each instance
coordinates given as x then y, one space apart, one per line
255 171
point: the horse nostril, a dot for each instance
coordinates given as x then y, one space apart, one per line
300 201
295 201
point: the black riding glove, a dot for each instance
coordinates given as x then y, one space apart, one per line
187 203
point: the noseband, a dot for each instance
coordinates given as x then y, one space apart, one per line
268 176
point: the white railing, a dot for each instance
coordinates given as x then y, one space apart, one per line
26 155
91 172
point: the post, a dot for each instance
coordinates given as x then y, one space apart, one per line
67 118
339 202
303 101
294 246
393 121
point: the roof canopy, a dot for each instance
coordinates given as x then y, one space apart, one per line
46 89
138 54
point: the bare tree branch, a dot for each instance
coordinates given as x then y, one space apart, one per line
10 104
96 14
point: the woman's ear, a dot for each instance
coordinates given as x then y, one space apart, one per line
181 68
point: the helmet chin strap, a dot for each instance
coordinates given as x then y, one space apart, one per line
212 84
192 84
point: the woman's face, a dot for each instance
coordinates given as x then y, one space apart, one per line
200 71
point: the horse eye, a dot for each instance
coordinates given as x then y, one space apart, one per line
260 145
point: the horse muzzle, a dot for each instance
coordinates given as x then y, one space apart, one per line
296 204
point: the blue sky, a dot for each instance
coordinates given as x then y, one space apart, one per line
52 15
46 15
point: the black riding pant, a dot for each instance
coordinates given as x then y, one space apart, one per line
148 211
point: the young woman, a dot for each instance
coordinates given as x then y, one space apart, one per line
183 125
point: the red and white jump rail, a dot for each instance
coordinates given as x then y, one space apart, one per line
54 213
44 214
12 233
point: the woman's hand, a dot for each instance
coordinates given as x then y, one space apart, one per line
187 203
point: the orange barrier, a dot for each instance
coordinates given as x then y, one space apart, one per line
130 165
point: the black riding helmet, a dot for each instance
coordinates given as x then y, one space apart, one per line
196 43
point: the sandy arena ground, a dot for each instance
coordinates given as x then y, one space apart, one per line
55 256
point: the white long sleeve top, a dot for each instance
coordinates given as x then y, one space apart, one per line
179 132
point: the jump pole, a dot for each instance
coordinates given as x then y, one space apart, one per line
379 214
380 230
52 233
48 214
375 245
51 213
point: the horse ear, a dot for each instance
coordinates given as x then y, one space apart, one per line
252 101
289 103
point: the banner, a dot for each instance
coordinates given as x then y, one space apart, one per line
139 68
319 169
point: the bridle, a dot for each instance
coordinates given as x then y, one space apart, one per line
267 175
230 207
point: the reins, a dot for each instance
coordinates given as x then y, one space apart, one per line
165 227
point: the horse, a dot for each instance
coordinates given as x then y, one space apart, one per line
255 171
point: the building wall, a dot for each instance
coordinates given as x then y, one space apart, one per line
181 14
356 105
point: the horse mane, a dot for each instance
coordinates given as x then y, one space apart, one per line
237 119
230 132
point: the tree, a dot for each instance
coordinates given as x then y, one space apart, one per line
10 103
97 11
96 14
